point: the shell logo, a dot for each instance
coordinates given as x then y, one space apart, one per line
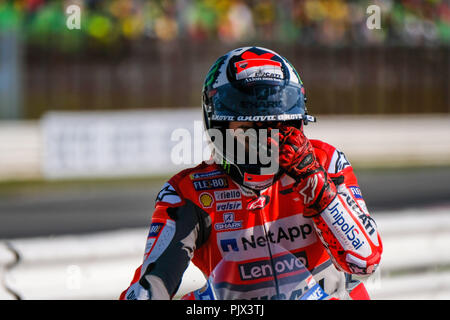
206 200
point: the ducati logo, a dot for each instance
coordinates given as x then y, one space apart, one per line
258 203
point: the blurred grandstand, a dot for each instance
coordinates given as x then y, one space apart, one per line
306 22
135 54
383 94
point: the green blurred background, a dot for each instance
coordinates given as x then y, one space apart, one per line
132 54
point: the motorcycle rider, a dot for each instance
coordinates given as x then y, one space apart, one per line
306 199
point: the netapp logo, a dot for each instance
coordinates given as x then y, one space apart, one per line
288 234
282 265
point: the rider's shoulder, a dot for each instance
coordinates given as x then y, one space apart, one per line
329 156
182 186
201 171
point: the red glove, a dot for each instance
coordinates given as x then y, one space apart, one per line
296 157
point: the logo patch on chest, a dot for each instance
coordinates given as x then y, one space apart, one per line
229 205
290 233
228 223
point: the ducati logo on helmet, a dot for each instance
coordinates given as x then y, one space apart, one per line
258 67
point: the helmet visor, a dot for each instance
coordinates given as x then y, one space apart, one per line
258 103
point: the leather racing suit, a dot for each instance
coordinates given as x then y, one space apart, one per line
201 215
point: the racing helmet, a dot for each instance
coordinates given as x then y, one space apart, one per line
251 84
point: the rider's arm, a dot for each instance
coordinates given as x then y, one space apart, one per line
345 226
178 227
347 232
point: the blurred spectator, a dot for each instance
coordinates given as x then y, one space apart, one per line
321 22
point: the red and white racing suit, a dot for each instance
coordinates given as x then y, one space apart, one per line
201 215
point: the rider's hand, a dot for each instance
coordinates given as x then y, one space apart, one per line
296 155
296 158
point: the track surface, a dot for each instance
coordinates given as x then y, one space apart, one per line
84 210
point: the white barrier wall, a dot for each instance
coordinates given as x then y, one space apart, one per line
124 143
127 143
20 150
415 263
155 141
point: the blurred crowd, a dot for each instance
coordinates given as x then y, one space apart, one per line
318 22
